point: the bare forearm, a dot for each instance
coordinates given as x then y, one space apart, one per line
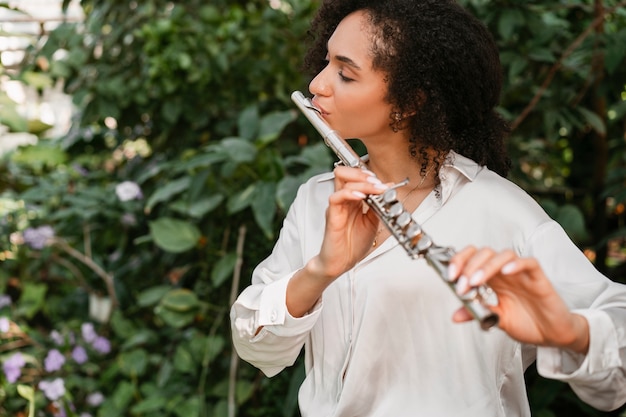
306 287
580 344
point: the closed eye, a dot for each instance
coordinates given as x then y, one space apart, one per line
344 78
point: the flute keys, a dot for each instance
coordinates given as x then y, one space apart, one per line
414 233
403 219
390 196
424 243
396 210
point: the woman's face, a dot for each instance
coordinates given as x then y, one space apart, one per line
348 91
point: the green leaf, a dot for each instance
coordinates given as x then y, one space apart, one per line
141 338
183 361
215 346
509 21
223 269
166 192
286 191
542 55
174 318
26 391
199 208
248 122
38 80
133 363
221 409
191 407
32 299
150 404
244 391
274 123
10 117
152 295
174 235
594 120
37 127
181 300
239 150
241 200
573 221
264 207
40 155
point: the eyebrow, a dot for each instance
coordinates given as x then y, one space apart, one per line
346 60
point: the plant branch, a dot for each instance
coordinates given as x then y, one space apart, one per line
557 65
234 359
87 261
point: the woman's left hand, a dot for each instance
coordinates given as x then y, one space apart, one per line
530 309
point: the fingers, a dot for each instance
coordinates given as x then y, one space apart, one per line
462 315
472 267
356 183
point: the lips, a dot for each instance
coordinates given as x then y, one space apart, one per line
322 111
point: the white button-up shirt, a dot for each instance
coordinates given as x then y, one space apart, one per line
380 342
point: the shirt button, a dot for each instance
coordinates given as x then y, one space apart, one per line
273 316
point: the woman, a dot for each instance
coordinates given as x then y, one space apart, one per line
417 81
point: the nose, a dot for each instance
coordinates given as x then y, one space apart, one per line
319 85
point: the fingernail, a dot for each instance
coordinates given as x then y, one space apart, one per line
477 278
452 272
381 186
368 172
508 268
373 180
358 194
461 285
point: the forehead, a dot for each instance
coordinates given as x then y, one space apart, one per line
352 38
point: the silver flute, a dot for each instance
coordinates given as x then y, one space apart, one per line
399 221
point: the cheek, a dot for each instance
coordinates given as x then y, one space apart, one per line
367 117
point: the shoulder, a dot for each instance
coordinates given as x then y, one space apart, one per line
485 199
314 192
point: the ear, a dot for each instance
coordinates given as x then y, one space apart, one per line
419 102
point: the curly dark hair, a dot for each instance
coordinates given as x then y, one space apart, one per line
442 64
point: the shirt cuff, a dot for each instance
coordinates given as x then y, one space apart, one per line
275 318
603 354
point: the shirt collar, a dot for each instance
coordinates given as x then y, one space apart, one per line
456 169
454 165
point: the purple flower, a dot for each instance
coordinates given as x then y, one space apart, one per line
88 332
128 190
53 390
57 338
80 170
79 354
38 237
12 367
128 219
5 324
95 399
5 300
60 410
102 345
54 361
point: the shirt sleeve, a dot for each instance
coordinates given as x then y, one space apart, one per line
263 332
599 377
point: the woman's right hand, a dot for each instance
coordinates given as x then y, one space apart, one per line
349 232
350 225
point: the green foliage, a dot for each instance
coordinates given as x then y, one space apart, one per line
186 153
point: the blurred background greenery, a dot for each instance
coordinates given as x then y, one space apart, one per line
140 219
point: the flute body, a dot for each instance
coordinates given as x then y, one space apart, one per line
399 221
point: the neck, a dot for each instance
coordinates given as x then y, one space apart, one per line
394 164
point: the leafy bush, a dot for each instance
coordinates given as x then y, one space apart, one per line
144 221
